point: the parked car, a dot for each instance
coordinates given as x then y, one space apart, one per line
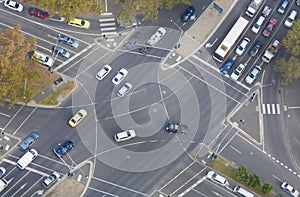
3 184
29 140
124 89
61 51
297 2
290 19
252 75
13 5
176 128
77 118
38 13
27 158
64 148
67 40
270 27
80 23
283 6
125 135
226 67
215 177
50 180
188 13
254 50
119 76
2 171
290 189
237 72
242 46
103 72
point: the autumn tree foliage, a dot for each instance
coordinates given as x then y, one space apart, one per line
16 66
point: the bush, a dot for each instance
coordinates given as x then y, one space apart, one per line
254 180
266 188
242 174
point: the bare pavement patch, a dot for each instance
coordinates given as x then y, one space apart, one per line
67 187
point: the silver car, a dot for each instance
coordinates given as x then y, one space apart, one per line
124 89
61 51
68 41
252 75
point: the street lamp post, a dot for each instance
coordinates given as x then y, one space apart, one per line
25 83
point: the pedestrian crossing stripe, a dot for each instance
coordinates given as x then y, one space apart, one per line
270 108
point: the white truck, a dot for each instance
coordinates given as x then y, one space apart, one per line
253 7
157 36
266 11
271 51
27 158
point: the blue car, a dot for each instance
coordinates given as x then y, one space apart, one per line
188 13
63 149
226 67
29 140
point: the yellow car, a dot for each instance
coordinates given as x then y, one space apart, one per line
77 22
77 118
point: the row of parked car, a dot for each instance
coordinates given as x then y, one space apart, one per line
16 6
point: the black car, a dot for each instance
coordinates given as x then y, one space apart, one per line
176 128
29 140
63 149
67 40
254 50
188 13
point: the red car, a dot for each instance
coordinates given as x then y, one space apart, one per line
39 13
270 26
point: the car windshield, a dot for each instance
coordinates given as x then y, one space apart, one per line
82 22
251 75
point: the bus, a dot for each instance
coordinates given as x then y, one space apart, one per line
231 38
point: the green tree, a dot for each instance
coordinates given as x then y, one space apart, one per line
289 70
241 174
254 180
148 9
291 41
15 66
266 188
70 8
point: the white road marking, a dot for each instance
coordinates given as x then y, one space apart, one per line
5 115
192 187
107 19
107 24
108 29
79 177
25 120
120 186
263 108
11 187
273 109
13 117
278 108
100 191
268 109
39 181
235 149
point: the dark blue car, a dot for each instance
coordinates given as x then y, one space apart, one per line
188 13
63 149
226 67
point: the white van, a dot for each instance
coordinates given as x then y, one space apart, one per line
290 19
43 59
27 158
257 25
3 184
242 192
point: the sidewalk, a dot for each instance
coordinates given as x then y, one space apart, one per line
193 39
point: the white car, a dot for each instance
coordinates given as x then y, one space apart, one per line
125 135
290 19
103 72
119 76
50 180
13 5
124 89
252 75
237 72
217 178
242 46
290 189
2 171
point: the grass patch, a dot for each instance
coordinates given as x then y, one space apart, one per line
63 91
227 169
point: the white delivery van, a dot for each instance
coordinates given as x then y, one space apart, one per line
257 25
27 158
242 192
3 184
43 59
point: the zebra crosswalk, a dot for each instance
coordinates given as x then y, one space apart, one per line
270 108
108 27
